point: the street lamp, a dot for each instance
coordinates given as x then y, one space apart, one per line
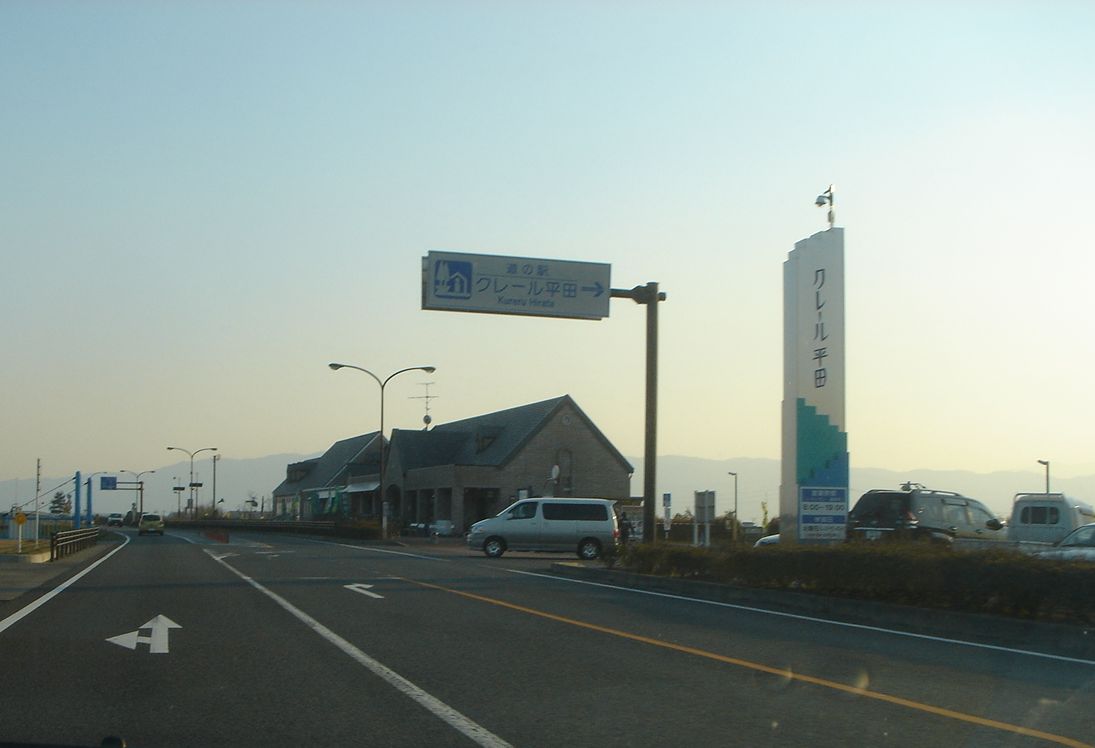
383 383
734 527
140 488
193 504
1046 463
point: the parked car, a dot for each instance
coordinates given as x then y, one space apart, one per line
115 519
1078 545
922 514
150 523
767 540
1046 517
442 528
582 526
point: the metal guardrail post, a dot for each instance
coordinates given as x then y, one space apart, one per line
69 541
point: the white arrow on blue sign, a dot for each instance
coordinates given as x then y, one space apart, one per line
497 284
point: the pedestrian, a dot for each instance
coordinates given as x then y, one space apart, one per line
625 528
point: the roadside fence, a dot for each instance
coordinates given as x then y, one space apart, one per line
62 544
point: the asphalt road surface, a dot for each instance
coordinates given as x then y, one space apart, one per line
280 640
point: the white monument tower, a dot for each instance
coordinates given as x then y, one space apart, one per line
813 496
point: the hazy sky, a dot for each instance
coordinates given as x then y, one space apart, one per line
202 204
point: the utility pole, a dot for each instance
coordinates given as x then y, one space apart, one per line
37 494
216 458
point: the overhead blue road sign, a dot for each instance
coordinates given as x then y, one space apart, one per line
108 483
496 284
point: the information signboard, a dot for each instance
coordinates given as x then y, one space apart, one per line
705 506
496 284
822 513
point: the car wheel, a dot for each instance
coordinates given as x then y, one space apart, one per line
494 547
589 549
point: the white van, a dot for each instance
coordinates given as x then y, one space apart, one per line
1046 517
582 526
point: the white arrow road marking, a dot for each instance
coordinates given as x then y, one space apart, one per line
156 640
363 589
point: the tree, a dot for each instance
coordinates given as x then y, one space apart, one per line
61 504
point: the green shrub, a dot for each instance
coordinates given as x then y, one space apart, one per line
1000 582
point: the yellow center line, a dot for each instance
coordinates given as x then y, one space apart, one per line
759 667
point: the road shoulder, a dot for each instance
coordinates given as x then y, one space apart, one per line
18 580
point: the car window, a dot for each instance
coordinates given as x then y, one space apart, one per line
885 507
978 514
588 512
524 511
930 511
954 513
1084 537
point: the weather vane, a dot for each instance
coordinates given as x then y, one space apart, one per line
826 198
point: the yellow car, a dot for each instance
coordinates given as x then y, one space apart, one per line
150 523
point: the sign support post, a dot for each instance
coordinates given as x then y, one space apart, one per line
526 286
649 295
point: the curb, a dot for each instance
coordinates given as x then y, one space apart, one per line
35 557
1064 640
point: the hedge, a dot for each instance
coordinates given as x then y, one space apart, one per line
998 582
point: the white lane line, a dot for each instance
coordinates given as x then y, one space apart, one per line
438 708
376 550
812 619
24 612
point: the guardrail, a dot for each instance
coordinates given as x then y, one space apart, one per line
69 541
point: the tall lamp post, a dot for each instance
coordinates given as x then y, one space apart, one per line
1046 463
193 504
734 527
383 383
140 488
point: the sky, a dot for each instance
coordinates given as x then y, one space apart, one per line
204 203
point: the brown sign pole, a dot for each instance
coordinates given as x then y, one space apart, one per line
649 295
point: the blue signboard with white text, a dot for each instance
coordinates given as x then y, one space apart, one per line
496 284
822 513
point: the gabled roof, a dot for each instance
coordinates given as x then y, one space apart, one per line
489 440
330 469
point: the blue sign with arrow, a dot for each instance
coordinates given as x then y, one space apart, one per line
496 284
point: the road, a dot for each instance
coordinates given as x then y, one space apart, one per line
283 640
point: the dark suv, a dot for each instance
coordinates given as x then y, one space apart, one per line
921 514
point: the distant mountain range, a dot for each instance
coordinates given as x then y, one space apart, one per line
758 480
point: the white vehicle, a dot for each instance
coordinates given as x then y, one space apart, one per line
442 528
1046 517
1078 545
582 526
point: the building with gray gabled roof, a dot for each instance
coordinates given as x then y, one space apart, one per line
460 471
469 469
342 481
